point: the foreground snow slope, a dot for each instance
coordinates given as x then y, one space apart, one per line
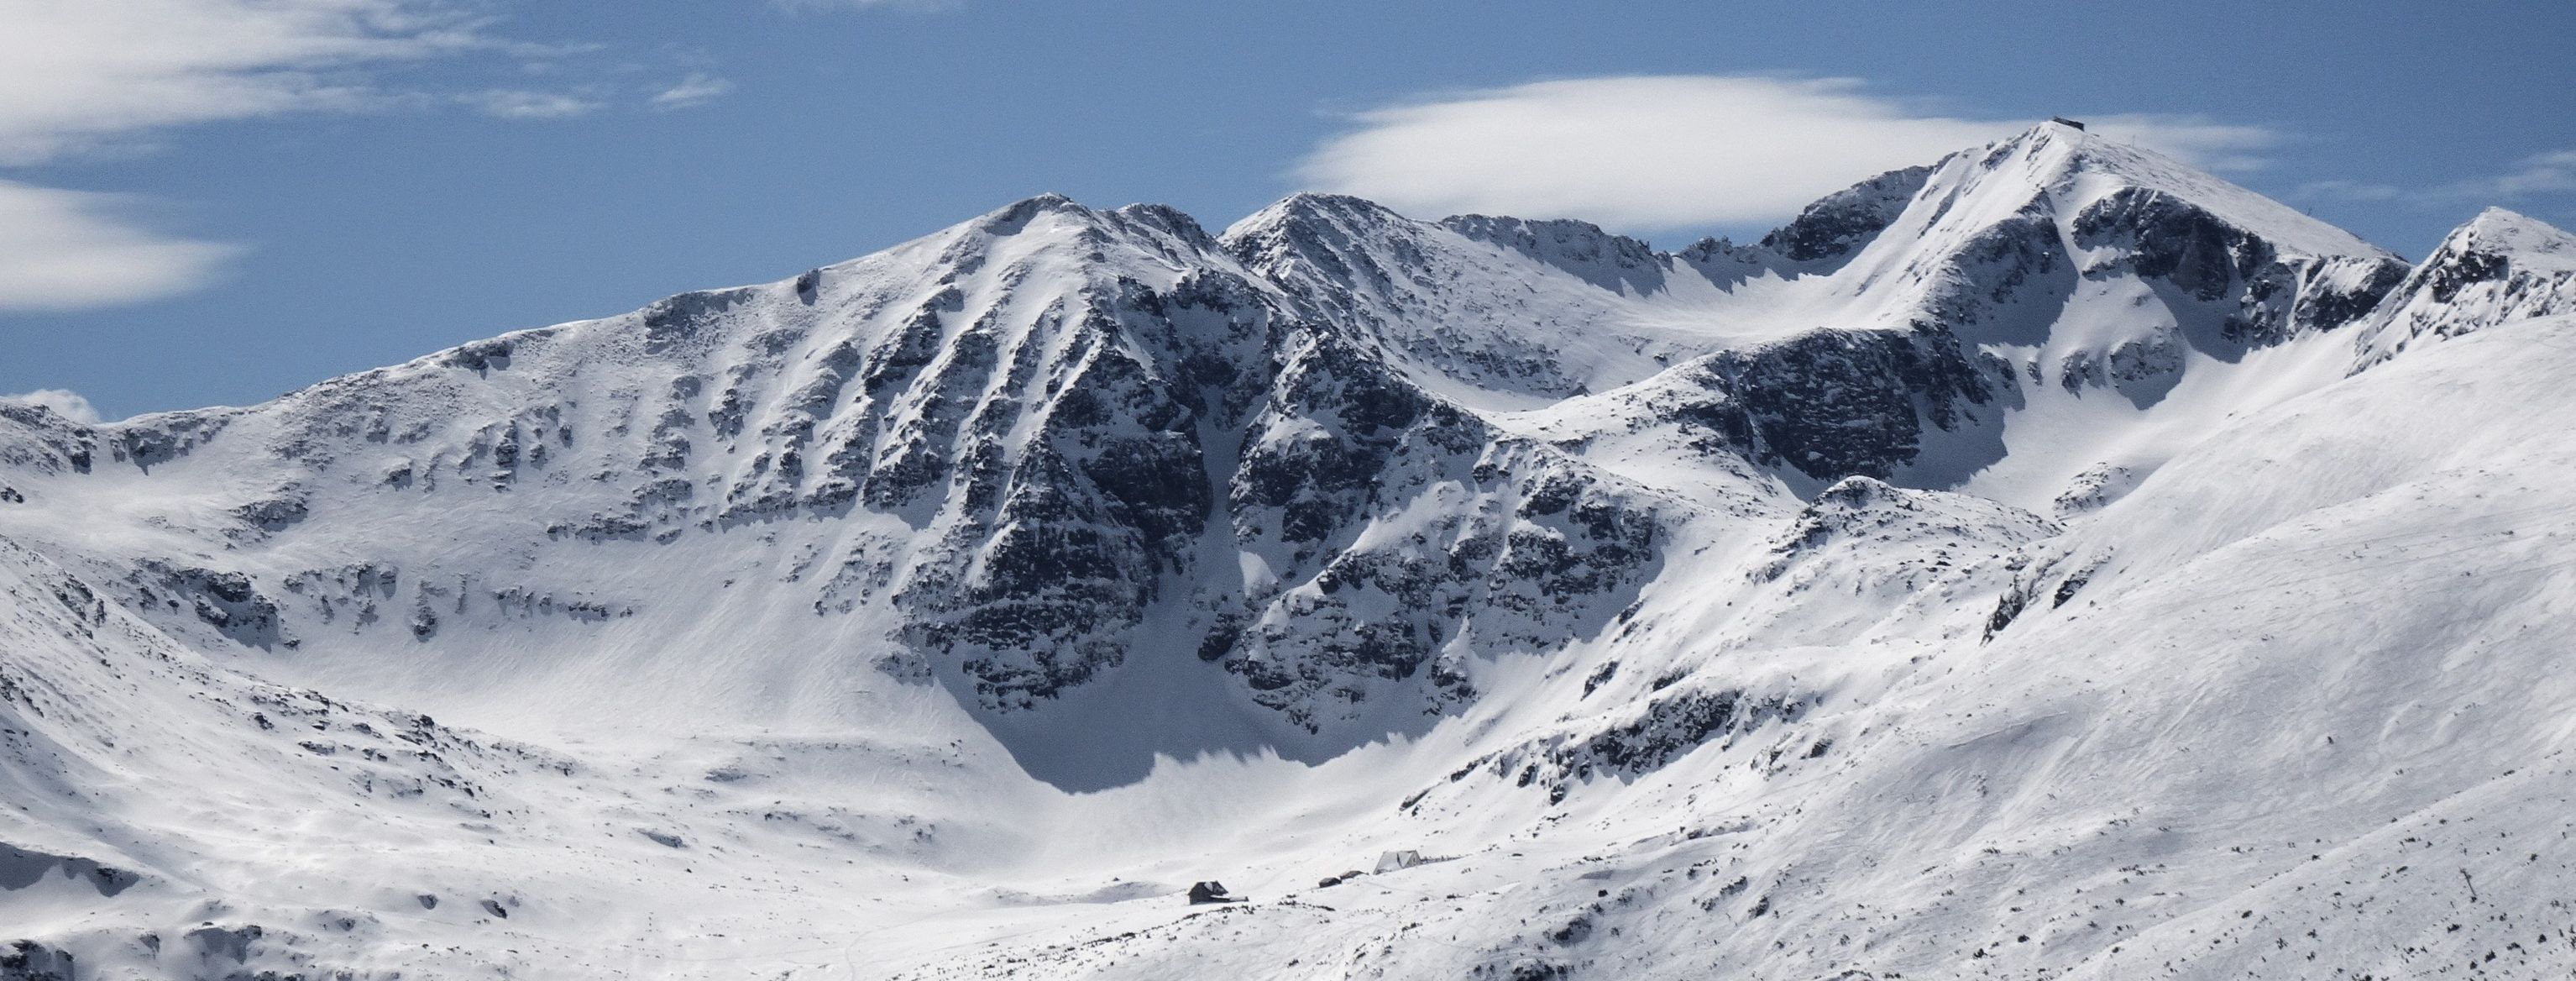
2308 727
2008 568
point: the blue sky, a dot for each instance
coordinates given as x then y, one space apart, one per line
216 201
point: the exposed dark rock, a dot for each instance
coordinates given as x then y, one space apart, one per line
227 601
27 960
1612 262
159 439
1837 403
1643 739
22 867
1843 222
2274 296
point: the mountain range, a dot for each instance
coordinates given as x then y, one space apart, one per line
2049 562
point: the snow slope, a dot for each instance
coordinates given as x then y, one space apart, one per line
2004 569
2307 734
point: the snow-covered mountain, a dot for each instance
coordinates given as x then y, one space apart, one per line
2497 269
2007 568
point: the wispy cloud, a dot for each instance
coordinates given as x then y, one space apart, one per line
77 77
2539 175
525 104
866 4
699 88
65 403
2343 190
78 74
71 250
1656 152
82 77
2226 148
2545 173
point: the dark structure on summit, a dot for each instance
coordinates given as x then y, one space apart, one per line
1211 892
2063 121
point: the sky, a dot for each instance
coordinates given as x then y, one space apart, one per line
218 201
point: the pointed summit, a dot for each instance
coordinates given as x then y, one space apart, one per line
2500 267
1141 222
2529 241
1494 312
2081 167
1309 208
1016 215
1846 220
1997 241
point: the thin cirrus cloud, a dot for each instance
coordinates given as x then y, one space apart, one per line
819 5
1662 152
81 76
2551 173
2533 176
699 88
527 104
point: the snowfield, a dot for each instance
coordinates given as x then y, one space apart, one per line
2049 562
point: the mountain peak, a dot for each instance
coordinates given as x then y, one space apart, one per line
1312 208
2528 241
1133 240
2080 167
1018 213
1841 222
2500 267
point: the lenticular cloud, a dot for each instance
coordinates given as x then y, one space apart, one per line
1656 152
1644 152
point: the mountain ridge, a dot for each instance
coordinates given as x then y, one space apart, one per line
1031 570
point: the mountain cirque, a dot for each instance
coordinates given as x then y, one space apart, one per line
2049 562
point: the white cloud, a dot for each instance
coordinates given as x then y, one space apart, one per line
65 403
75 73
2343 190
1659 152
69 250
523 104
801 5
2221 147
80 75
2537 175
2546 173
698 88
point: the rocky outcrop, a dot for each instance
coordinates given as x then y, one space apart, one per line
1403 536
1073 493
1838 403
1843 222
1678 717
2500 267
1613 262
2268 294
